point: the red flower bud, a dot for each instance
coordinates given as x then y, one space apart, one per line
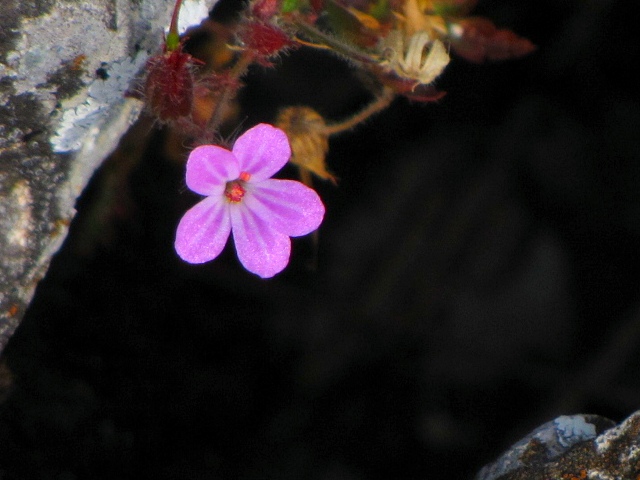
264 39
169 85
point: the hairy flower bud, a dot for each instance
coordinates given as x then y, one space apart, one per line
264 39
169 85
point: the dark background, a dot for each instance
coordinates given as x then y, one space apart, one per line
477 275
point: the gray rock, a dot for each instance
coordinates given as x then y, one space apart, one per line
573 447
64 68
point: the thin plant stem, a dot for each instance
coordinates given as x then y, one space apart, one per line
173 28
331 43
380 103
238 70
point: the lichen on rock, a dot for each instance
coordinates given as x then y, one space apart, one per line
59 119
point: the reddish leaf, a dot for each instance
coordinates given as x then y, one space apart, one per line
425 94
409 88
317 6
478 39
265 9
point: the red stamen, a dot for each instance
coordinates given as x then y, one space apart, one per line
234 191
245 176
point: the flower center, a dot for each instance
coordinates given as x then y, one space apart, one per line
234 190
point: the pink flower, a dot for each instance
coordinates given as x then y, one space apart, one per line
242 197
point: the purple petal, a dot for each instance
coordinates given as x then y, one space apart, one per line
261 249
262 151
286 206
203 231
209 168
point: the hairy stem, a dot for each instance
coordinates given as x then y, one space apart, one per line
173 28
237 71
379 103
172 42
331 43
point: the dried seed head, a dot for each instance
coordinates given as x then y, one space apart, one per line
309 141
421 59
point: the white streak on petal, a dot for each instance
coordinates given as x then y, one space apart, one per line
261 249
262 151
203 231
209 168
287 206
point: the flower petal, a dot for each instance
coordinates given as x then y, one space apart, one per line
209 168
262 151
261 249
203 231
286 206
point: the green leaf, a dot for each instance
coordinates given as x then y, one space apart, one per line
289 6
172 41
380 10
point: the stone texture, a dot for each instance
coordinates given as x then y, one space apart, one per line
64 68
569 448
